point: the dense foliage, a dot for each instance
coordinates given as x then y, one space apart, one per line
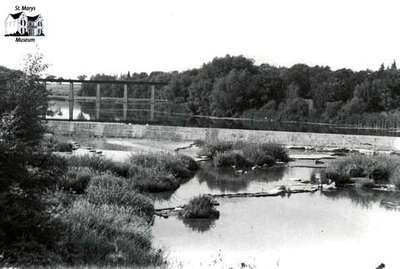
28 171
234 86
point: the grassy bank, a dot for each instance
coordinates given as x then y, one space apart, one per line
104 212
242 155
381 169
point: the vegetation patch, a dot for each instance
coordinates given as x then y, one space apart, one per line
112 190
99 164
229 158
76 180
106 234
63 147
243 155
160 172
380 168
180 166
200 207
210 149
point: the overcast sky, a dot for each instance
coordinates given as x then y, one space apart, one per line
88 37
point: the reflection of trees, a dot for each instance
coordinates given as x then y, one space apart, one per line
199 225
226 179
361 196
223 181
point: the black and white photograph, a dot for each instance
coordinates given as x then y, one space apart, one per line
227 134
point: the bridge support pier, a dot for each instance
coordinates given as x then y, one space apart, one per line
71 101
98 101
152 102
125 102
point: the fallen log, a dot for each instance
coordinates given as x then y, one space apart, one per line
279 191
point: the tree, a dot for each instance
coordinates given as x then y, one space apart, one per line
27 169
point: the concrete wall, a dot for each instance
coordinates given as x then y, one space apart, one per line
98 129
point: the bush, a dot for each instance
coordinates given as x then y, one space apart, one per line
211 149
99 164
98 234
112 190
63 147
200 207
228 159
276 151
165 164
76 180
256 154
28 233
380 168
260 154
156 184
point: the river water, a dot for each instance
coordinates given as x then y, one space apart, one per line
338 229
344 228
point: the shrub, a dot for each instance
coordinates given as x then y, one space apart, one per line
211 149
380 168
112 190
76 180
28 233
120 169
200 207
260 154
227 159
276 151
63 147
257 155
339 179
189 163
99 164
179 166
156 184
98 234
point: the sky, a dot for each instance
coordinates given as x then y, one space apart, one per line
113 37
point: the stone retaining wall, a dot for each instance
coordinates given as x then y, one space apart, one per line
122 130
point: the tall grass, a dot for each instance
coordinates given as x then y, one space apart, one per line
229 158
210 149
243 154
99 164
200 207
160 172
76 179
179 166
101 234
380 168
112 190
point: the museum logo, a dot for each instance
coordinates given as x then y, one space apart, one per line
24 24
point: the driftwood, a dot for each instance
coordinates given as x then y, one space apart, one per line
280 191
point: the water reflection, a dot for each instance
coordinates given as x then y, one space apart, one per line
229 180
199 225
363 197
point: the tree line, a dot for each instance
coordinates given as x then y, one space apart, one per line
234 86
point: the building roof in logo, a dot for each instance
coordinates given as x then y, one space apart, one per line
33 18
16 15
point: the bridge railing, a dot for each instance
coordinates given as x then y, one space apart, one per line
71 98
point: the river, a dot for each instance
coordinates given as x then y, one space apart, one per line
344 228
